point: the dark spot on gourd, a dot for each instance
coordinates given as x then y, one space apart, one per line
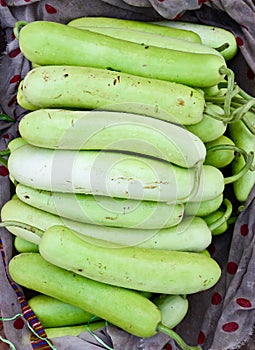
110 218
116 80
80 270
66 75
180 102
27 196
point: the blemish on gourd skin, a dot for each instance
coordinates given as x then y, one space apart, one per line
110 218
116 80
181 102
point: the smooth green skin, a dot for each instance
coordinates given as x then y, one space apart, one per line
219 158
211 36
113 174
145 27
56 332
244 139
93 88
23 246
22 101
55 313
173 309
16 143
44 43
104 130
122 307
169 272
101 210
101 173
208 129
203 208
213 217
146 38
192 234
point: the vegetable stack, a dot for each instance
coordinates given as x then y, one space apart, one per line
118 169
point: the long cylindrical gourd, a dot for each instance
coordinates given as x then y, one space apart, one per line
22 101
103 210
221 157
169 272
122 307
201 129
113 174
173 308
145 27
101 173
93 88
243 138
56 313
118 131
191 234
212 36
146 38
55 332
213 217
202 208
44 43
24 246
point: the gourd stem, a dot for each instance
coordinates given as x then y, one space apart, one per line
230 88
248 166
17 27
240 114
176 338
226 215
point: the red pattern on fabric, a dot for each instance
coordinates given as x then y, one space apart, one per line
14 53
201 338
216 298
3 3
239 41
244 230
178 16
12 101
244 302
6 136
230 327
18 323
50 9
15 79
232 267
3 171
168 347
200 2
